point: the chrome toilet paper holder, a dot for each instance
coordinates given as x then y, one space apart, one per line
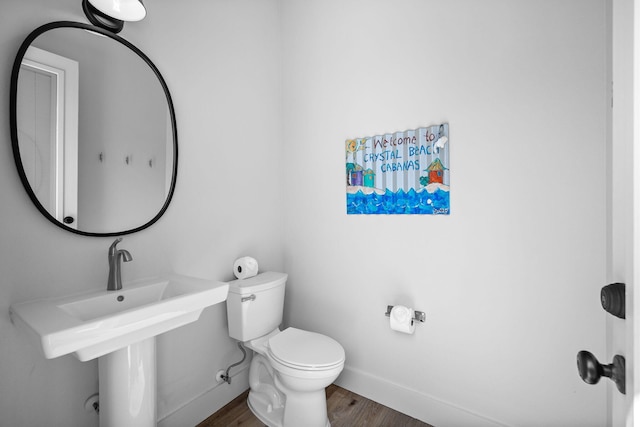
420 316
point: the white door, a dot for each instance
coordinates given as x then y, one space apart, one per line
623 224
632 341
624 219
48 130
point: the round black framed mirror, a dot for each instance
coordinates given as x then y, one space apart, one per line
93 130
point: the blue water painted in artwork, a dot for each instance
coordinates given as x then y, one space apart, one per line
400 202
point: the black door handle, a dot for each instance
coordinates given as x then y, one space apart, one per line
590 370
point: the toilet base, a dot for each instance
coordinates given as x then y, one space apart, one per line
268 399
264 411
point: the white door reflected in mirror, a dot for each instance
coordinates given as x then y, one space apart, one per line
48 129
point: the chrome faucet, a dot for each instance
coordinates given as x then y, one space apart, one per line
114 283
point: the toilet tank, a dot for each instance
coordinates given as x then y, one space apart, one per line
254 305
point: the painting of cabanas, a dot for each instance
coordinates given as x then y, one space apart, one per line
385 174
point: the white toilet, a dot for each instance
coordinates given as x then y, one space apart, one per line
290 369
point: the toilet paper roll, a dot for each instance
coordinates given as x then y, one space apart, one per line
401 319
245 267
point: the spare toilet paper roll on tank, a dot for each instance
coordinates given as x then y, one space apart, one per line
245 267
401 319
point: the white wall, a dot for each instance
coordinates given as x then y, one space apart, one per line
221 61
510 280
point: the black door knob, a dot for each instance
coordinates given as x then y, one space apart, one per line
590 370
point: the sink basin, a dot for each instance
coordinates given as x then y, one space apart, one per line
93 324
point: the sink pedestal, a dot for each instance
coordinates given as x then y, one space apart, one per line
127 386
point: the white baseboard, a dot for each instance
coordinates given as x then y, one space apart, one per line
414 403
411 402
196 410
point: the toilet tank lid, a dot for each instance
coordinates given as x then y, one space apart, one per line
261 282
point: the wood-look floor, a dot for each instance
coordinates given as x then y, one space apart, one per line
346 409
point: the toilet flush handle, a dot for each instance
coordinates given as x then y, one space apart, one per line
251 297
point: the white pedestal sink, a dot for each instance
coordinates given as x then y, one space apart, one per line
119 328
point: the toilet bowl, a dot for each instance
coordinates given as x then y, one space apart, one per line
288 376
291 368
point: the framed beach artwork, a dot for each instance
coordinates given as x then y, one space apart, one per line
399 173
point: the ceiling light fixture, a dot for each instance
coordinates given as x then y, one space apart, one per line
111 14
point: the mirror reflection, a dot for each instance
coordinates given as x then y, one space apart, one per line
94 133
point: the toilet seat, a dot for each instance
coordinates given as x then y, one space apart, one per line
304 350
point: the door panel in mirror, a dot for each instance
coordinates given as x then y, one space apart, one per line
47 130
126 153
